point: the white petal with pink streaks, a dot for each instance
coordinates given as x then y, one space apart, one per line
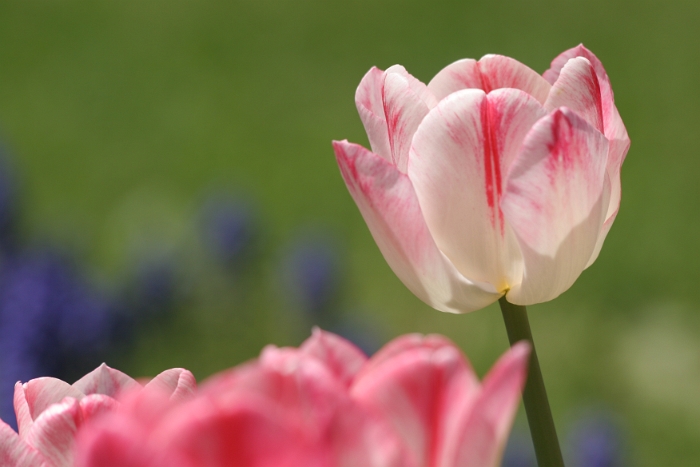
555 199
404 109
15 452
105 380
53 432
489 73
388 203
178 383
578 89
459 157
369 99
35 396
614 128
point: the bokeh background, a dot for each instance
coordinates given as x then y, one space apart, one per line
169 197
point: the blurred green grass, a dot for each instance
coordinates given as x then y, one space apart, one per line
104 101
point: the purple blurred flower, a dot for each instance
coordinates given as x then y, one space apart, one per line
361 332
596 441
312 274
154 288
52 322
519 451
230 230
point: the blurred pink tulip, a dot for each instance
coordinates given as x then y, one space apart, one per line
491 179
50 412
417 403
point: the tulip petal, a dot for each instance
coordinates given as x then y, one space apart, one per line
53 432
361 438
419 392
339 355
117 440
459 157
389 205
614 128
245 431
601 236
96 404
36 395
489 73
302 384
612 123
480 438
15 452
299 382
22 410
404 110
122 438
417 87
578 89
369 99
105 380
178 383
406 343
555 199
391 105
462 74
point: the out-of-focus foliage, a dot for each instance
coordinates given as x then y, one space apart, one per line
122 114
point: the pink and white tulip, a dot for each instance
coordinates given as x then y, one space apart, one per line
490 180
417 403
51 412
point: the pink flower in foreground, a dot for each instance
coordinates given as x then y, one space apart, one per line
491 179
416 403
50 412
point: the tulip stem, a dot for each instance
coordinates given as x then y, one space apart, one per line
539 415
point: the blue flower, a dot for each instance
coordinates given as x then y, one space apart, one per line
52 321
230 230
519 451
596 441
313 274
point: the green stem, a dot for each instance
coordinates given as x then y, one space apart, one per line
539 415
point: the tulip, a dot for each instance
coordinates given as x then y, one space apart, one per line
51 412
491 180
416 403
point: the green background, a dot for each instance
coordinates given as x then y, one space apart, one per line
121 115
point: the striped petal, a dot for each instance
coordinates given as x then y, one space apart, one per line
406 343
578 89
614 128
15 452
369 99
105 380
391 106
480 437
339 355
459 157
36 395
489 73
555 198
388 203
96 404
53 432
178 383
420 392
